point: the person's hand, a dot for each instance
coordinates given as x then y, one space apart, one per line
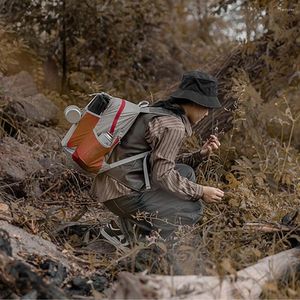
210 145
212 195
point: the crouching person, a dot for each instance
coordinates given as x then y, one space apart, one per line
174 197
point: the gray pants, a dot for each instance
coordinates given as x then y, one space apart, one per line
156 209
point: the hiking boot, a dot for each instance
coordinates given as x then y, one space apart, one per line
112 233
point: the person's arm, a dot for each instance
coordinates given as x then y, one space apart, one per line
193 159
165 136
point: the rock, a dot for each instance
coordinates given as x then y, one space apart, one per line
100 282
20 84
24 242
17 276
55 271
25 100
36 108
83 286
16 161
80 283
79 286
5 245
47 138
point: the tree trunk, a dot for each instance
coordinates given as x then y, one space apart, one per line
64 49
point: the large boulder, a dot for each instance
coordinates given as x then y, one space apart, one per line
17 161
36 108
20 84
26 102
24 242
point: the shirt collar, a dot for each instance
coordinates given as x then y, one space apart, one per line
187 125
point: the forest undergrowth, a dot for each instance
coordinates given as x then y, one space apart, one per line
257 166
258 172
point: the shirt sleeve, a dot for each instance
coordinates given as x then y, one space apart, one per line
192 159
165 135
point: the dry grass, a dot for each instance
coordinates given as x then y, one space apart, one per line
259 174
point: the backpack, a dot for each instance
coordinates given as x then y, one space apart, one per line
98 128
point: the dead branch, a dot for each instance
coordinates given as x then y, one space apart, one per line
246 284
269 227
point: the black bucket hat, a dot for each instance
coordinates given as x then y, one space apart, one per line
200 88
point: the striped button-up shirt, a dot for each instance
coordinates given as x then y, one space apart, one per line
165 135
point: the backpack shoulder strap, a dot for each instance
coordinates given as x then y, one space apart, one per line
157 111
